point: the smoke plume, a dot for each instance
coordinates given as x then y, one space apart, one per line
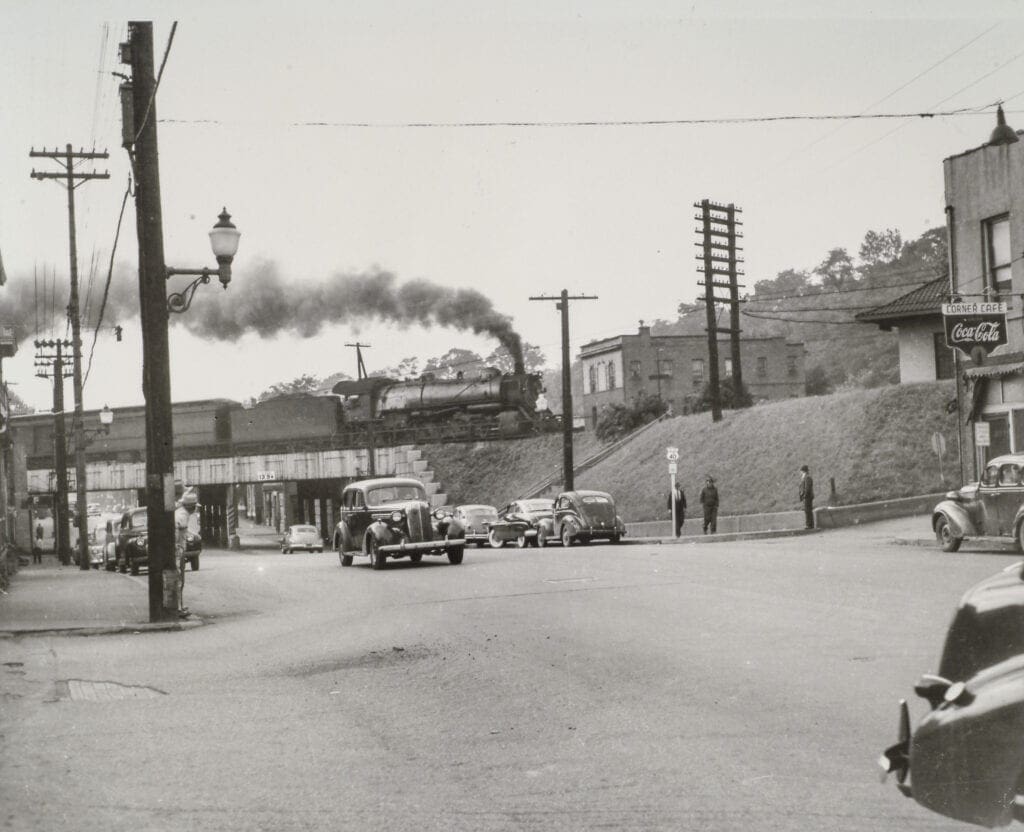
260 301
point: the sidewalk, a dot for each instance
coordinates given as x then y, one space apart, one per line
51 598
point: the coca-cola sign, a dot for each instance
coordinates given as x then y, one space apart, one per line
974 327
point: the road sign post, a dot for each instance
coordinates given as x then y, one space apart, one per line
672 455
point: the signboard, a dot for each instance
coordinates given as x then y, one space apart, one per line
974 328
672 454
672 467
939 443
266 476
982 435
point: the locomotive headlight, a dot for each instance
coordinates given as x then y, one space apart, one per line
396 516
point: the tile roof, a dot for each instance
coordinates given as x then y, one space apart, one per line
922 301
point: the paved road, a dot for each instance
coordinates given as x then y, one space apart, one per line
712 687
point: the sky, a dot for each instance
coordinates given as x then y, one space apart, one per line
335 134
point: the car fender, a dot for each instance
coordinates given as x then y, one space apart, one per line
547 526
381 532
343 538
455 530
957 516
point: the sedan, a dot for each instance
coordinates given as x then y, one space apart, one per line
993 507
521 522
583 516
477 521
301 537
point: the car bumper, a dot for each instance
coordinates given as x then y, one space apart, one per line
425 547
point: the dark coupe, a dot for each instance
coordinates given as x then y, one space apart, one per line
993 507
583 516
522 522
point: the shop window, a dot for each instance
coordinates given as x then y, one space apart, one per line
997 254
697 368
728 368
666 367
592 377
611 375
791 365
634 369
943 357
762 366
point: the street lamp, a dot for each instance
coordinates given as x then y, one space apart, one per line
224 242
106 419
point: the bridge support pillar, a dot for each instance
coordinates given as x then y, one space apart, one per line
232 513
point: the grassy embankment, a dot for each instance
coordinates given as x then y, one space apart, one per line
876 444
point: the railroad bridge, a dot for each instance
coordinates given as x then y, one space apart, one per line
281 462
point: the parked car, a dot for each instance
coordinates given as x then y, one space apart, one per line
965 760
993 507
519 522
391 518
583 516
477 520
302 537
133 543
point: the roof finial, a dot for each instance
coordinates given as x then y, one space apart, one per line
1003 134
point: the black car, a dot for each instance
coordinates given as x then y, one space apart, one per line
132 545
391 518
965 760
583 516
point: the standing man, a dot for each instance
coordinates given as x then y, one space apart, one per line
679 498
182 514
807 496
709 502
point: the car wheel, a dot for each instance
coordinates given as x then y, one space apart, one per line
521 541
615 538
944 535
455 555
133 567
494 541
479 544
320 550
1020 537
193 562
542 539
286 551
377 557
346 560
566 536
416 557
122 566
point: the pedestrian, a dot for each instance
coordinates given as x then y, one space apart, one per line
709 502
679 498
37 550
182 514
807 496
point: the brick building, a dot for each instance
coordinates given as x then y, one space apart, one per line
674 367
984 190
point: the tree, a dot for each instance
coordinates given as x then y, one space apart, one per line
406 368
303 384
881 247
533 359
788 282
816 382
616 420
453 362
836 270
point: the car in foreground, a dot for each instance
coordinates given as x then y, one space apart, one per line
132 547
991 507
523 522
584 516
476 520
390 517
302 537
965 760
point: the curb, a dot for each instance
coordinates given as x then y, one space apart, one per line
721 537
114 629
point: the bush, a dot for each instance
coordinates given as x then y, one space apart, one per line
730 397
617 420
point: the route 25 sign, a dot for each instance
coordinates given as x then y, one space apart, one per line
974 328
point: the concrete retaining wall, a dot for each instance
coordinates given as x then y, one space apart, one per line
834 517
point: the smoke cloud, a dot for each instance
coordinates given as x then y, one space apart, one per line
260 301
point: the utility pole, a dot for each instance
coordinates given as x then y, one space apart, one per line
139 107
562 304
52 364
714 253
72 180
371 447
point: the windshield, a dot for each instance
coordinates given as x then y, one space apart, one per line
303 530
393 494
537 505
480 513
594 499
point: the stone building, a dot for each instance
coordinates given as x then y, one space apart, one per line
984 189
675 368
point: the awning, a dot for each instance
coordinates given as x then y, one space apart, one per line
994 370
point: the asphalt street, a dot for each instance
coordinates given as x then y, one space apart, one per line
746 685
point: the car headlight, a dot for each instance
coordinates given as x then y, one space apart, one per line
141 540
396 517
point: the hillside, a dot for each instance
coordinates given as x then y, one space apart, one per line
874 443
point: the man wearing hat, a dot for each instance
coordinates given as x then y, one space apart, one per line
807 496
185 507
709 502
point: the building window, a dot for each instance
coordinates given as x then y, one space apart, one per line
592 374
728 368
762 366
791 365
666 367
593 416
943 357
697 366
634 369
611 375
997 254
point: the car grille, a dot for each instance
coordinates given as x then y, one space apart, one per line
418 517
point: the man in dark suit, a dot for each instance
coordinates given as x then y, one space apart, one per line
807 495
709 502
679 498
